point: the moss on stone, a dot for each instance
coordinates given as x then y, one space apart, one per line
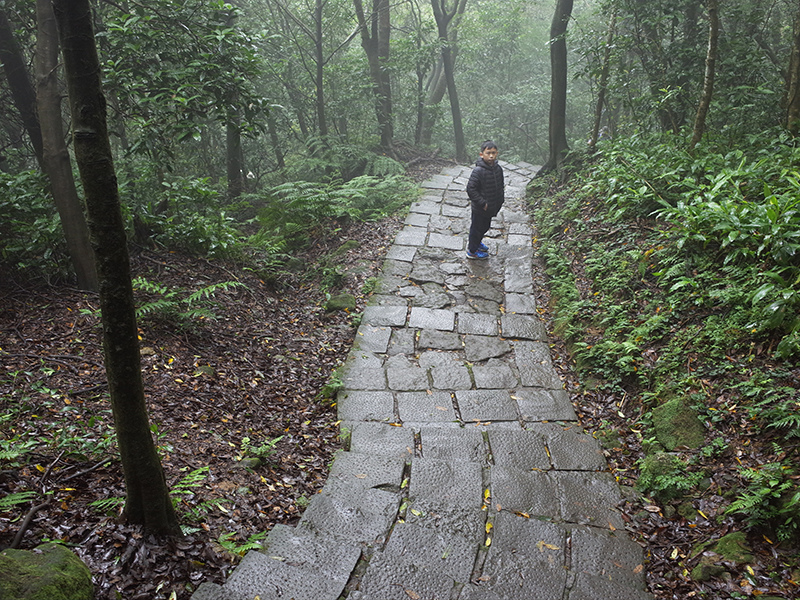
733 547
677 425
340 302
49 572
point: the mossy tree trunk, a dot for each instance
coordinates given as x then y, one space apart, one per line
558 86
147 496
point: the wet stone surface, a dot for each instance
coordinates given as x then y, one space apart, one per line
460 440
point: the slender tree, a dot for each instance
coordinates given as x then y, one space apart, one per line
444 17
55 156
793 81
375 30
605 70
147 497
558 86
708 80
19 82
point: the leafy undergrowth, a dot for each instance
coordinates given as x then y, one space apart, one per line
233 397
637 324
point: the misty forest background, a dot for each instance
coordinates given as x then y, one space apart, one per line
667 211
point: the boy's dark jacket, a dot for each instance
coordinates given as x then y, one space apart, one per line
486 187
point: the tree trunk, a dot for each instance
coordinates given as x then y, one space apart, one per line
603 86
437 86
233 144
322 122
708 80
277 147
443 18
55 156
147 497
19 83
558 86
793 94
375 41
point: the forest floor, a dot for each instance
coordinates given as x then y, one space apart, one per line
219 392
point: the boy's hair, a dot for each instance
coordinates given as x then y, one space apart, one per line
488 144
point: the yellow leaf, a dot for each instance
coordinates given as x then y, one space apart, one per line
702 514
541 545
489 527
40 468
486 493
750 570
488 542
674 554
412 594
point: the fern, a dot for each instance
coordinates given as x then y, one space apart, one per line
173 305
9 501
191 481
108 506
253 542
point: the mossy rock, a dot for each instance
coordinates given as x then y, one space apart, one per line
49 572
677 425
733 547
346 247
707 569
341 302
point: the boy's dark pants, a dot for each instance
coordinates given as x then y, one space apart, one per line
481 223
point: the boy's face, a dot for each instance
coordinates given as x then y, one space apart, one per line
489 155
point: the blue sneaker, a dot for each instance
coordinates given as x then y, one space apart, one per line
483 247
477 254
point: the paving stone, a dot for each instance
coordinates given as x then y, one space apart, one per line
362 471
260 576
524 304
523 327
453 268
401 342
432 196
535 365
519 241
363 371
407 379
447 496
430 318
328 557
451 378
592 587
486 307
390 298
416 219
421 407
381 439
485 290
440 358
456 196
396 268
477 324
411 236
439 340
525 560
480 347
421 561
433 296
534 493
404 253
570 448
587 497
453 444
519 278
354 405
520 229
425 207
437 182
426 273
385 316
373 339
440 225
611 555
355 515
524 450
451 242
410 291
539 404
486 405
495 375
455 210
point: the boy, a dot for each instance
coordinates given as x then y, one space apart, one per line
486 191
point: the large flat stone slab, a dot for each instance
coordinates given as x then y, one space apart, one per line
431 318
486 405
354 405
535 365
422 407
385 316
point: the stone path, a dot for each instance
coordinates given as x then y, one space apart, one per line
467 476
